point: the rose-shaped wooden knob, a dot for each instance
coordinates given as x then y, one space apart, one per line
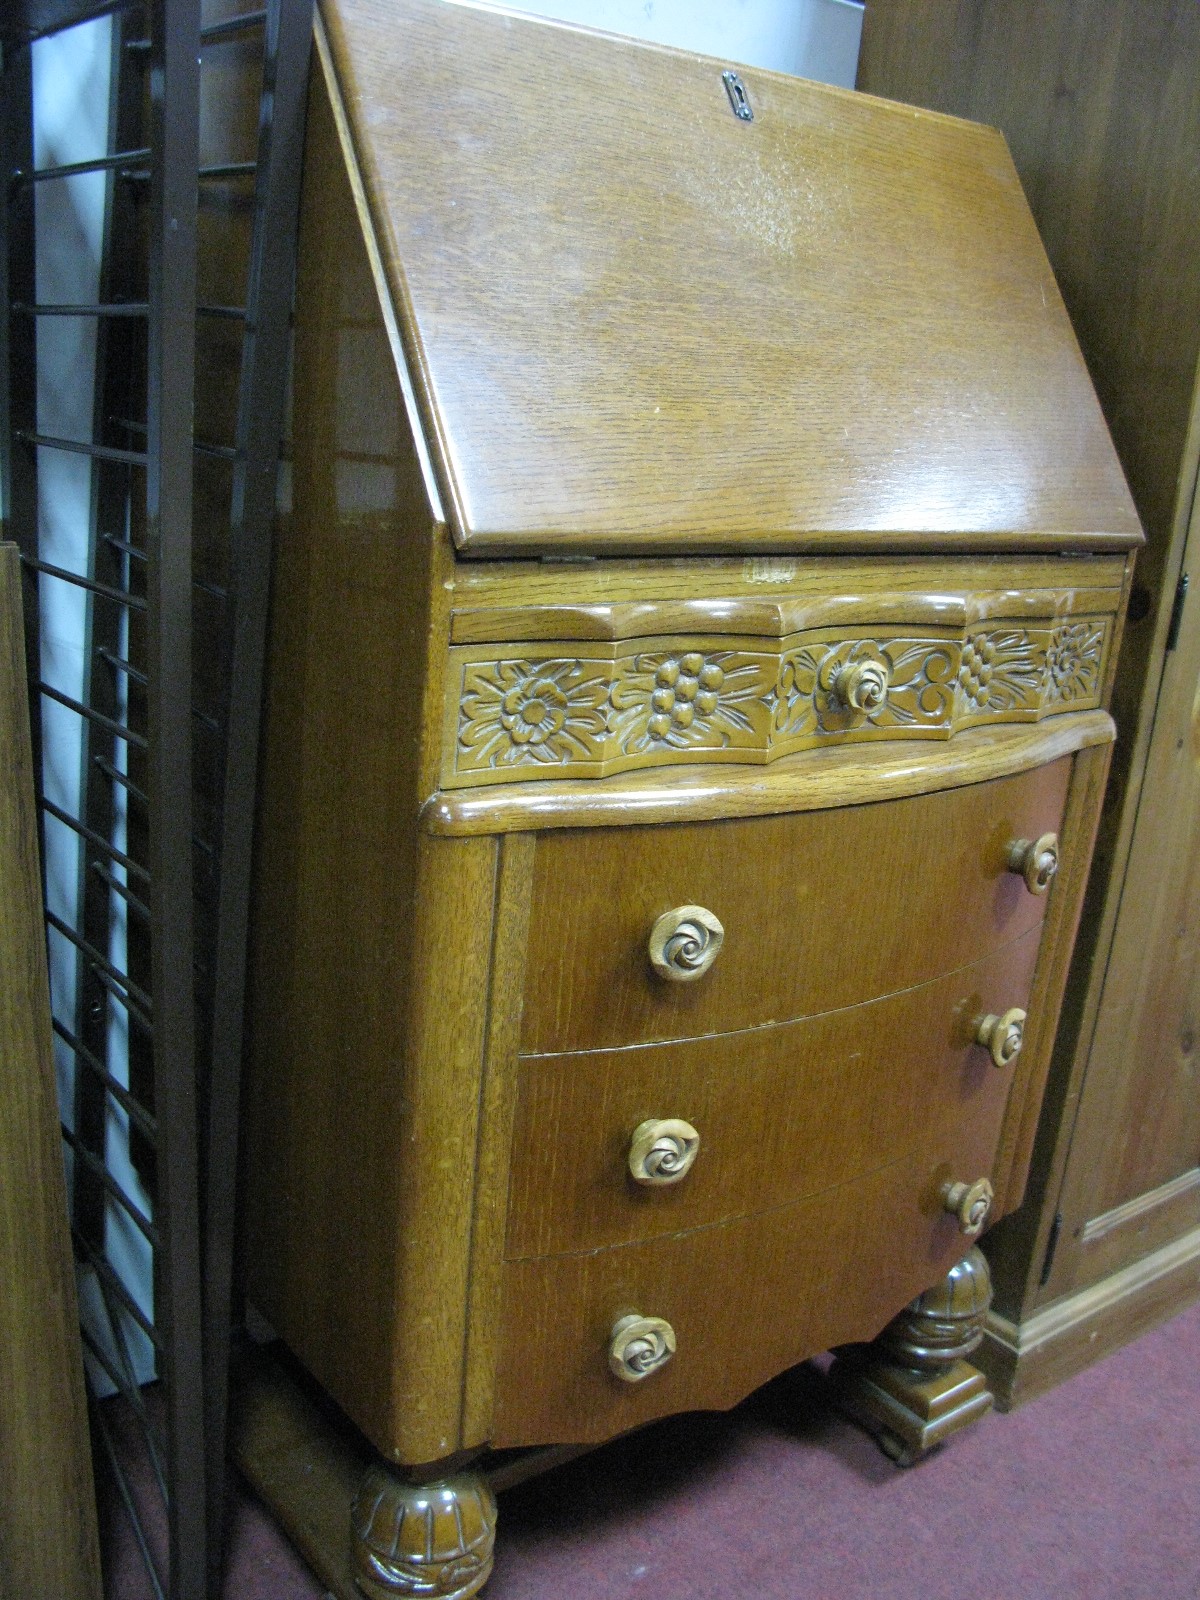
862 685
684 943
1036 860
1003 1036
970 1203
639 1346
662 1151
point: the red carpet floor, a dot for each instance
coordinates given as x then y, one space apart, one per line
1091 1493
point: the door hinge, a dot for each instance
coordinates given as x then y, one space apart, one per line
1181 589
1051 1247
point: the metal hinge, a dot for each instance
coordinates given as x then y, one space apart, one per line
1181 589
1051 1247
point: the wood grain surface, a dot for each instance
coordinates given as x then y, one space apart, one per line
747 1299
497 1110
1015 1155
410 942
636 323
810 781
1103 118
1100 105
48 1537
349 909
782 1112
820 910
1144 1134
768 595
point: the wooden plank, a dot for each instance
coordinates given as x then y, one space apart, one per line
497 1109
636 323
301 1464
1142 1130
1023 1359
48 1539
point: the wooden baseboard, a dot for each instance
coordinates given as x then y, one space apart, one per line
1024 1359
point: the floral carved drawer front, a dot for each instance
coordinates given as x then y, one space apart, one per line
553 710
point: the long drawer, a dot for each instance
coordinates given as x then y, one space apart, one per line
745 1299
819 911
781 1112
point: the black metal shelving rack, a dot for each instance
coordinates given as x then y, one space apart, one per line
168 715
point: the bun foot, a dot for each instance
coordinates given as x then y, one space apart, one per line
911 1387
422 1539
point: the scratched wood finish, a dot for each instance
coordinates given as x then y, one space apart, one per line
747 1299
48 1538
782 1111
637 323
799 935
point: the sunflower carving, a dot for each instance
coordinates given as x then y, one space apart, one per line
518 712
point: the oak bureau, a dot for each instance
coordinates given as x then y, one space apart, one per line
693 625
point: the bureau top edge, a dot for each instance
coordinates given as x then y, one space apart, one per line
668 538
631 323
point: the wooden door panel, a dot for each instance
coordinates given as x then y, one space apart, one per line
1135 1157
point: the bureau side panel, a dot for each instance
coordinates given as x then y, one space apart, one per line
347 915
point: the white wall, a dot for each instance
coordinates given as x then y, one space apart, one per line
70 123
810 38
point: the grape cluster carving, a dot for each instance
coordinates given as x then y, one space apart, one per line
684 686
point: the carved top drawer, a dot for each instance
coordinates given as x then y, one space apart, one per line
817 910
582 708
